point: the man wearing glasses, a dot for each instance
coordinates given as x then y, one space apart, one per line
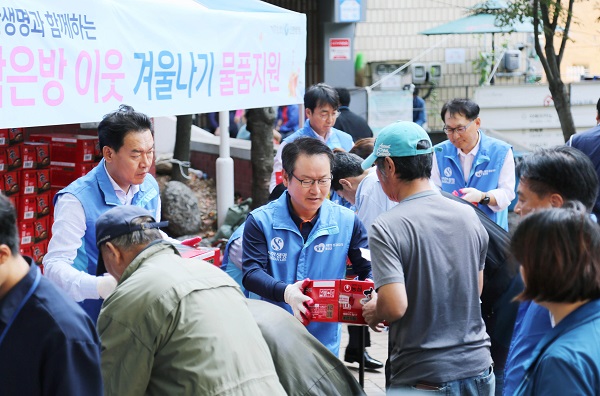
476 167
321 104
302 235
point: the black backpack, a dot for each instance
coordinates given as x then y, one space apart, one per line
501 283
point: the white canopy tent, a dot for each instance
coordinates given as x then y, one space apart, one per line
64 62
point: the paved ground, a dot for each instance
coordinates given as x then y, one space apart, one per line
374 379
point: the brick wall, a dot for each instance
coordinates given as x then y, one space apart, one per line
242 170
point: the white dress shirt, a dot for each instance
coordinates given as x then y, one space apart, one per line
67 233
504 193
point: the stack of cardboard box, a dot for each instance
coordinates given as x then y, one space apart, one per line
25 174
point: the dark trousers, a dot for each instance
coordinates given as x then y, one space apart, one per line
354 333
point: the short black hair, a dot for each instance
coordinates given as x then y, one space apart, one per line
598 106
345 165
344 96
416 91
319 95
9 234
465 107
308 146
412 167
561 170
116 125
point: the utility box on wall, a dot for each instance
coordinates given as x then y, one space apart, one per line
434 70
419 73
381 69
511 60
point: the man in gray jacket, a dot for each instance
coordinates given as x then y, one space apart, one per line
174 326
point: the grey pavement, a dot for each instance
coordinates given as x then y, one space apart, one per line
374 379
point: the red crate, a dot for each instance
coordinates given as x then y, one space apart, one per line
66 147
208 254
64 173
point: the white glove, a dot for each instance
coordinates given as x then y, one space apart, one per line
472 195
295 297
105 285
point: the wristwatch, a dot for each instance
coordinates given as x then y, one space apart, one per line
485 200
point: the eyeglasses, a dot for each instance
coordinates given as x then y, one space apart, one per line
308 183
326 116
459 130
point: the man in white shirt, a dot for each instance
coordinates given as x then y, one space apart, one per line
121 178
476 167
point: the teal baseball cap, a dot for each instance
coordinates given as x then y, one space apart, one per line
399 139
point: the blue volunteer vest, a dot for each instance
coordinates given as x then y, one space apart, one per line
484 175
97 195
337 138
323 256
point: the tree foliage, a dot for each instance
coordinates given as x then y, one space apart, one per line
551 19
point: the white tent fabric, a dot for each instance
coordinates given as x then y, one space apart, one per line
64 62
69 62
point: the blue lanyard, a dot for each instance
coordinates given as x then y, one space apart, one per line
23 302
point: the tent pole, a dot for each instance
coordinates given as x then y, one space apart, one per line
225 183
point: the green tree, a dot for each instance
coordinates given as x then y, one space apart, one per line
554 18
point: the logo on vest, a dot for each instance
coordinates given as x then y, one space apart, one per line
277 243
448 172
484 172
321 247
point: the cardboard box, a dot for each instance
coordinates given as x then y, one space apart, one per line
9 183
66 147
42 205
35 181
10 136
208 254
11 158
339 300
64 173
38 251
27 209
41 229
26 234
36 155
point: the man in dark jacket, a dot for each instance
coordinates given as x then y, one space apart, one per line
348 121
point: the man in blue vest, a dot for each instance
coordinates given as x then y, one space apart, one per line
302 235
476 167
550 178
321 104
589 143
121 178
